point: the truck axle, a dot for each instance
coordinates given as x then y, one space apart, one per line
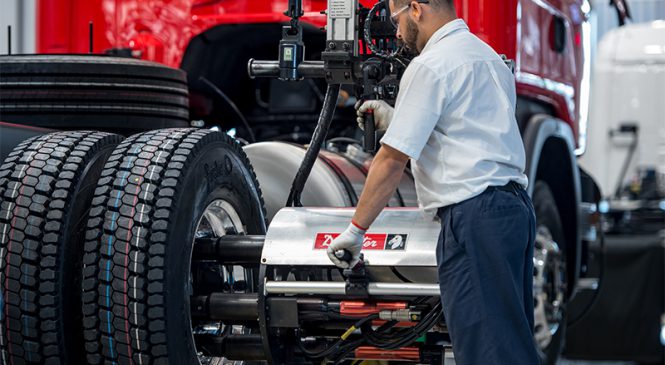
230 249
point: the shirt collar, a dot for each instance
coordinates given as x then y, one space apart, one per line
445 31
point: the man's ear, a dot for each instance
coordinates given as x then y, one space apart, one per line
416 11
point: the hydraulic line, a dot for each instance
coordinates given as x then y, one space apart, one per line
380 338
384 337
336 346
319 136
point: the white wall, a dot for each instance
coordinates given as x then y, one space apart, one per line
20 15
641 10
604 18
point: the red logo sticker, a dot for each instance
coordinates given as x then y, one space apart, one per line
372 241
323 240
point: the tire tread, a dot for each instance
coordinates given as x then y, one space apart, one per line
38 184
128 326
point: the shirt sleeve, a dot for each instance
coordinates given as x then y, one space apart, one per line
418 108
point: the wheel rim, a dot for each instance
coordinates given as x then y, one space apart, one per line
549 287
219 219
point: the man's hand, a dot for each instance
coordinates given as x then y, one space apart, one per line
383 113
350 240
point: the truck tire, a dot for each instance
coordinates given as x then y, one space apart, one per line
549 276
83 91
46 185
146 213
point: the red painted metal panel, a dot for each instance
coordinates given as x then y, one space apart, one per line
373 353
53 21
560 73
495 22
62 26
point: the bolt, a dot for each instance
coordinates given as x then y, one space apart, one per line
331 45
346 46
264 260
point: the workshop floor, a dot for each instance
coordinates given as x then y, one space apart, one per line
577 362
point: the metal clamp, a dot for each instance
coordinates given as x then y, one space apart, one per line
357 282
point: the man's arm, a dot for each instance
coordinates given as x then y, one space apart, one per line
384 176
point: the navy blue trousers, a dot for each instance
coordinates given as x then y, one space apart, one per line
485 262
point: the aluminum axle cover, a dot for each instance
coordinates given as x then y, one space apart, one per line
399 246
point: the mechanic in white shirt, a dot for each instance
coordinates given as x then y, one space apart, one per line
455 120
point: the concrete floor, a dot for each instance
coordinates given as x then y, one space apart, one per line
576 362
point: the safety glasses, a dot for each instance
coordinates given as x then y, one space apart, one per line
394 17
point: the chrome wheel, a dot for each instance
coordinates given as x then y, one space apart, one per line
219 219
549 287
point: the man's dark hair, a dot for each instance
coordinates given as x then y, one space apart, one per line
438 4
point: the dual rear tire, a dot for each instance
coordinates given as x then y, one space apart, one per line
136 280
46 185
125 214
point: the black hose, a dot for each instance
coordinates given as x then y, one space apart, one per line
339 344
383 339
319 136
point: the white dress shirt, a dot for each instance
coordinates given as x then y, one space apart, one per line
455 118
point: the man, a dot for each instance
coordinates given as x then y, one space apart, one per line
455 120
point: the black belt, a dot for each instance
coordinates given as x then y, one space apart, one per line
511 187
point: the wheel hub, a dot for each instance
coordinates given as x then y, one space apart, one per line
219 219
549 287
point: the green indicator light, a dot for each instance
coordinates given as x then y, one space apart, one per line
288 53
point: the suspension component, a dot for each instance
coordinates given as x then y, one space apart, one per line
233 347
306 69
400 315
230 249
339 288
387 311
226 307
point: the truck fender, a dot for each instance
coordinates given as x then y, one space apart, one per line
549 145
